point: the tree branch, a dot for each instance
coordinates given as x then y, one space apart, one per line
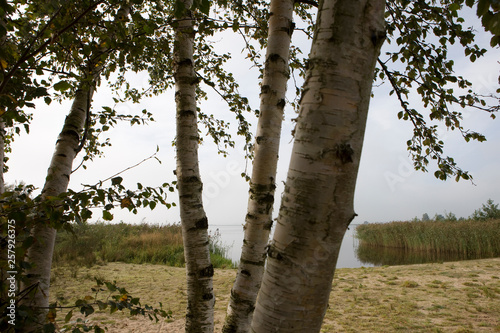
126 169
396 90
307 2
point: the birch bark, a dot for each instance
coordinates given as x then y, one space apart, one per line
258 221
58 176
317 205
199 270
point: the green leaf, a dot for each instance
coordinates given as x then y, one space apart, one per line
482 7
116 181
102 305
86 214
87 310
68 316
62 86
179 8
107 216
111 287
113 308
495 40
204 7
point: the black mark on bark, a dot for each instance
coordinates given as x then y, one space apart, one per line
202 223
208 296
344 153
281 103
207 271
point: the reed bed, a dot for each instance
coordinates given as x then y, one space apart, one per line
469 238
139 243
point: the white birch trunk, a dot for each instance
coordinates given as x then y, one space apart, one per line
199 270
58 175
317 205
263 182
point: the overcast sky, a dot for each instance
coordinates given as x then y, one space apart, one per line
388 188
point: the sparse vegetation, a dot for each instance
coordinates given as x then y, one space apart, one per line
141 243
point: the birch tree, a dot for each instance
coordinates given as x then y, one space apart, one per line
23 43
317 205
263 181
58 175
69 143
199 270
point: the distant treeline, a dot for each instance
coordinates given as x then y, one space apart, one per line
488 211
131 243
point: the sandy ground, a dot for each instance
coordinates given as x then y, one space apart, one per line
447 297
146 326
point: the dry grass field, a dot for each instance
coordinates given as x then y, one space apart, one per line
447 297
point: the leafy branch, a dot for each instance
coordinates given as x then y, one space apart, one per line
423 33
29 53
425 136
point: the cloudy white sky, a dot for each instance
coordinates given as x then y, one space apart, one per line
388 188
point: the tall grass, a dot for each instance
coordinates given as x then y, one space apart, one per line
218 251
143 243
470 238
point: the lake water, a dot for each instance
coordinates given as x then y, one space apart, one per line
351 254
232 236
